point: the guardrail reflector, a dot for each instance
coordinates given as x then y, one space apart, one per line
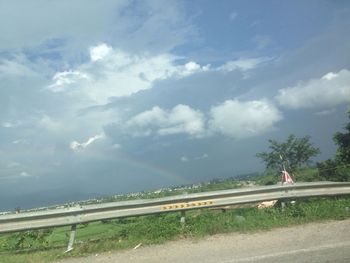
186 205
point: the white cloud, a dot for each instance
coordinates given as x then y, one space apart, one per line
180 119
154 116
78 147
330 76
99 52
232 118
243 64
243 119
330 90
190 68
62 80
116 73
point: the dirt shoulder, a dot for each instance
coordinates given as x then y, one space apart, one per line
315 242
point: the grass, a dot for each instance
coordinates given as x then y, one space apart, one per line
306 174
126 233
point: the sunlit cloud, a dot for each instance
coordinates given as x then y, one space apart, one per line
79 147
99 52
182 119
330 90
241 119
243 64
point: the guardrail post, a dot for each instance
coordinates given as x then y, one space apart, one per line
71 238
283 205
183 218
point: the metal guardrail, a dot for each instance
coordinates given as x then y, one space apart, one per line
89 213
97 212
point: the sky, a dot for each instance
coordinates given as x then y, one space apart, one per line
107 97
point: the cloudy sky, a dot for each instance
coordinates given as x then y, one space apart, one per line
113 96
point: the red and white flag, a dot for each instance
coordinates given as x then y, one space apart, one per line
286 178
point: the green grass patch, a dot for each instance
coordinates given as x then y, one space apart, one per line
305 174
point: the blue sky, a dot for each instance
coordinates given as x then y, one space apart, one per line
108 97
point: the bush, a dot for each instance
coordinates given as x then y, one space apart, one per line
331 170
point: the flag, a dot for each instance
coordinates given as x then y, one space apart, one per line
286 178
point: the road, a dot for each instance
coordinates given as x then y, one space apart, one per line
311 243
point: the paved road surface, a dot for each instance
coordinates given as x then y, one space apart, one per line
319 242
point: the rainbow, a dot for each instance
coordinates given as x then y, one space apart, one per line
152 168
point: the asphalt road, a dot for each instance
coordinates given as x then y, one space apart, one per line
311 243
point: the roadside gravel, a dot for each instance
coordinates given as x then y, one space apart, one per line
316 242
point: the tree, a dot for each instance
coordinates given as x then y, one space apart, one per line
343 142
338 168
294 152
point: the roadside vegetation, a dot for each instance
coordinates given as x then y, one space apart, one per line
111 235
